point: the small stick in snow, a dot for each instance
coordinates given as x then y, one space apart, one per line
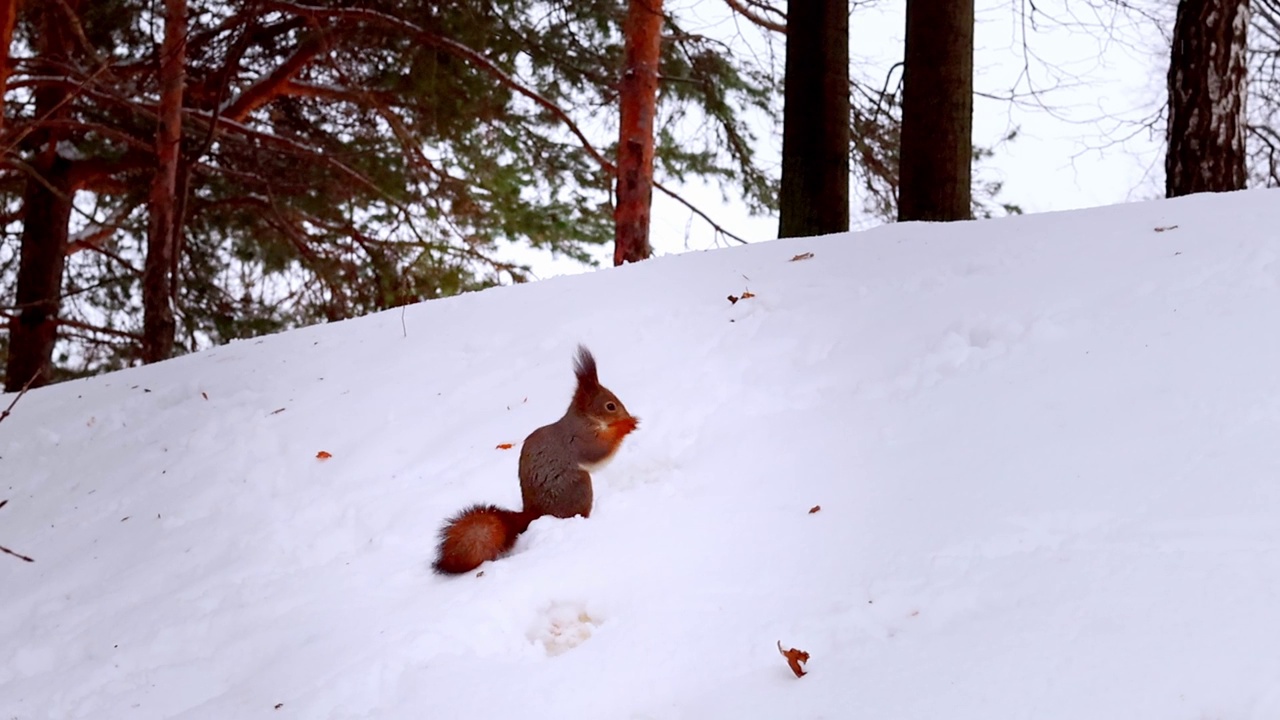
17 555
21 392
7 550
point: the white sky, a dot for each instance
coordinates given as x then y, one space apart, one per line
1098 76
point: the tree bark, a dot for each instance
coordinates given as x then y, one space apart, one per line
638 101
159 279
814 195
1207 89
8 15
936 152
33 332
46 216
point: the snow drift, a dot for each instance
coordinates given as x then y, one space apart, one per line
1044 451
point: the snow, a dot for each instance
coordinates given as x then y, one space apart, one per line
1043 447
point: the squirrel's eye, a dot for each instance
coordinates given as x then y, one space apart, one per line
611 407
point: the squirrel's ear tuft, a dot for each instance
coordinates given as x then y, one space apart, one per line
584 368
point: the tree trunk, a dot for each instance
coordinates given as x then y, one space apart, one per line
1207 76
33 332
46 216
159 279
8 15
638 100
814 196
936 152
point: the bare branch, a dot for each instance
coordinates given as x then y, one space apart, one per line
741 8
267 88
4 549
4 414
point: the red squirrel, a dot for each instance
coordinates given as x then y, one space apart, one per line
554 474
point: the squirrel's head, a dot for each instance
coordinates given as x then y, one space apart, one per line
594 401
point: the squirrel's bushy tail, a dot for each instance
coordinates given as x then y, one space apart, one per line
477 534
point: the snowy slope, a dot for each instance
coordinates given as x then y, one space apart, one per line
1045 451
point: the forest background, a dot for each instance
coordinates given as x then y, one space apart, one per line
327 160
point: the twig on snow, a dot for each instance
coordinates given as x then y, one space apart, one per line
6 550
21 392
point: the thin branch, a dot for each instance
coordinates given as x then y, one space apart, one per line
716 226
4 549
739 7
18 397
267 88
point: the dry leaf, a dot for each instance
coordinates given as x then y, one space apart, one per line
795 658
279 705
322 455
801 256
505 446
1163 228
204 395
814 509
747 294
277 411
733 299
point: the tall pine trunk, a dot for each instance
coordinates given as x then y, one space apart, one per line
638 100
936 152
33 332
814 195
159 276
46 214
1208 70
8 16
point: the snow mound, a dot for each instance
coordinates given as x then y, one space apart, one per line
1012 468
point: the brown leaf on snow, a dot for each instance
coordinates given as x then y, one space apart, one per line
814 509
801 256
322 455
747 294
795 658
733 299
204 395
505 446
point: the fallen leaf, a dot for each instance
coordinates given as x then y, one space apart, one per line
126 517
733 299
801 256
204 395
1163 228
814 509
279 705
747 294
795 658
322 455
505 446
277 411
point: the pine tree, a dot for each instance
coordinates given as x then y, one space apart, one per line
814 198
1208 75
937 112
